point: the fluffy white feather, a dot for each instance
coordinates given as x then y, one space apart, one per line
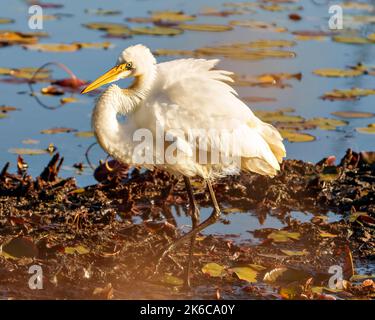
182 95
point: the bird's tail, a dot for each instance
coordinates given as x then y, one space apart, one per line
268 163
274 140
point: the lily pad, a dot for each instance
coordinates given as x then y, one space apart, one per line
253 24
94 45
294 136
14 37
27 151
112 29
58 130
277 116
84 134
53 47
350 39
171 16
338 73
6 20
370 129
327 123
348 94
272 43
156 31
103 12
353 114
205 27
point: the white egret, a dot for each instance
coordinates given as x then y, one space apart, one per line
181 95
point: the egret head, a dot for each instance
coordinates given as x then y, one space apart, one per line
134 61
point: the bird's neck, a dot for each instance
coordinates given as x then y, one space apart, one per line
110 133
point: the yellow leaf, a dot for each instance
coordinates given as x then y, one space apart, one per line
172 280
246 273
295 253
213 269
76 249
327 235
350 39
283 236
53 47
172 16
205 27
294 136
156 31
337 73
370 129
68 100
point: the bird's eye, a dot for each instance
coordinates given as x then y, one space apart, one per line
129 65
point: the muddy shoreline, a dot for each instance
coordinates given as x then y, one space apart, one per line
88 247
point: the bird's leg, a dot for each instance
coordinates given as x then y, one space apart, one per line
214 216
195 215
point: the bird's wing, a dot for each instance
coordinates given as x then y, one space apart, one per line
191 95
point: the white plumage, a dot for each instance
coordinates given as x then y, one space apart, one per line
181 96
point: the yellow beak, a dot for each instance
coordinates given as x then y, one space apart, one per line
108 77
